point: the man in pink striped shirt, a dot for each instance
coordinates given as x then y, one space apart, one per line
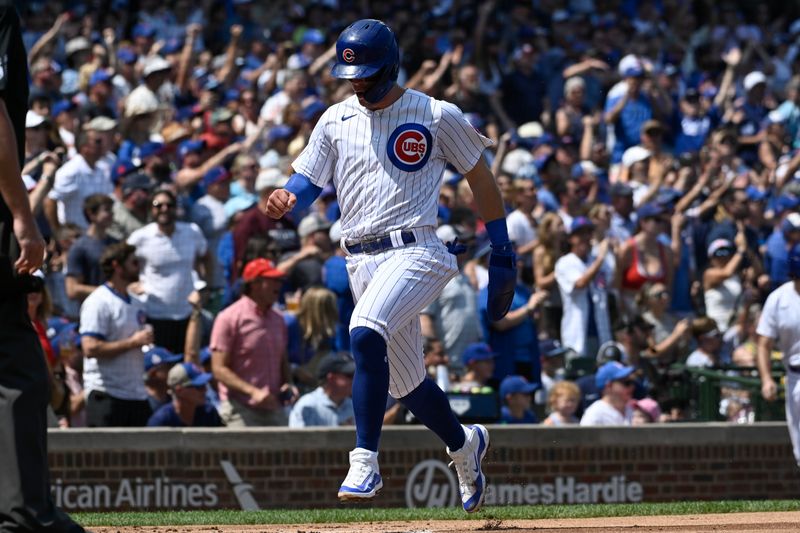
249 358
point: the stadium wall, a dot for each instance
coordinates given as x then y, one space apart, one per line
120 469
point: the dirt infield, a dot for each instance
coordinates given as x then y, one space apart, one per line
739 522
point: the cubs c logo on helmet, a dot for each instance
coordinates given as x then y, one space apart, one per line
348 55
409 147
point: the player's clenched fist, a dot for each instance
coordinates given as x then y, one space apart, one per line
280 202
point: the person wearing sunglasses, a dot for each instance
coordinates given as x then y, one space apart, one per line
169 250
670 335
616 382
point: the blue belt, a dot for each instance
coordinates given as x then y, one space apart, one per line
381 243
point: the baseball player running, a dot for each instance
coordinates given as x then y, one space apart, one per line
385 149
780 322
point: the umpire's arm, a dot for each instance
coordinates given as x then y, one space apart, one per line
13 191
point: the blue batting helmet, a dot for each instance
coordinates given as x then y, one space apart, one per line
794 262
368 48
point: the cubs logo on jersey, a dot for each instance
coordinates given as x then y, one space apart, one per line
409 147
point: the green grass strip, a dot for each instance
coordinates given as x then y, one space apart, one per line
355 514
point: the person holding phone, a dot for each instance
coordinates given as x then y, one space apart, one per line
248 352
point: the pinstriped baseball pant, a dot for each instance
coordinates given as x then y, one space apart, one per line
793 411
390 289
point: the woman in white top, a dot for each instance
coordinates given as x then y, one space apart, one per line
722 284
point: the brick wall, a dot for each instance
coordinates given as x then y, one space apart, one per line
266 468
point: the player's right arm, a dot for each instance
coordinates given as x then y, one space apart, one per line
311 171
769 390
485 191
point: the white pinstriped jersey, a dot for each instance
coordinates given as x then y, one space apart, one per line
387 165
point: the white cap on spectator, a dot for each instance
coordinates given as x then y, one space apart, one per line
141 101
100 123
313 223
155 64
515 160
78 44
630 65
270 178
633 155
530 130
719 244
34 120
588 167
791 222
753 79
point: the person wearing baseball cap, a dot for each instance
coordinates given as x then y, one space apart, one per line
583 276
554 355
616 384
779 243
330 404
157 362
755 111
188 408
254 221
248 347
478 359
209 213
623 217
709 343
515 393
305 267
628 109
99 96
645 411
131 212
722 283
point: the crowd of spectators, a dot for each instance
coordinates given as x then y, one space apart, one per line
648 153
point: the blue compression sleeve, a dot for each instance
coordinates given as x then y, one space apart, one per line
305 191
498 231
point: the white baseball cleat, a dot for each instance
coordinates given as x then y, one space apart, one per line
467 461
364 480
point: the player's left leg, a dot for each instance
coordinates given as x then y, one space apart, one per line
466 445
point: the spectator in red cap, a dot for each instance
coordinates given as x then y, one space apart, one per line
249 360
